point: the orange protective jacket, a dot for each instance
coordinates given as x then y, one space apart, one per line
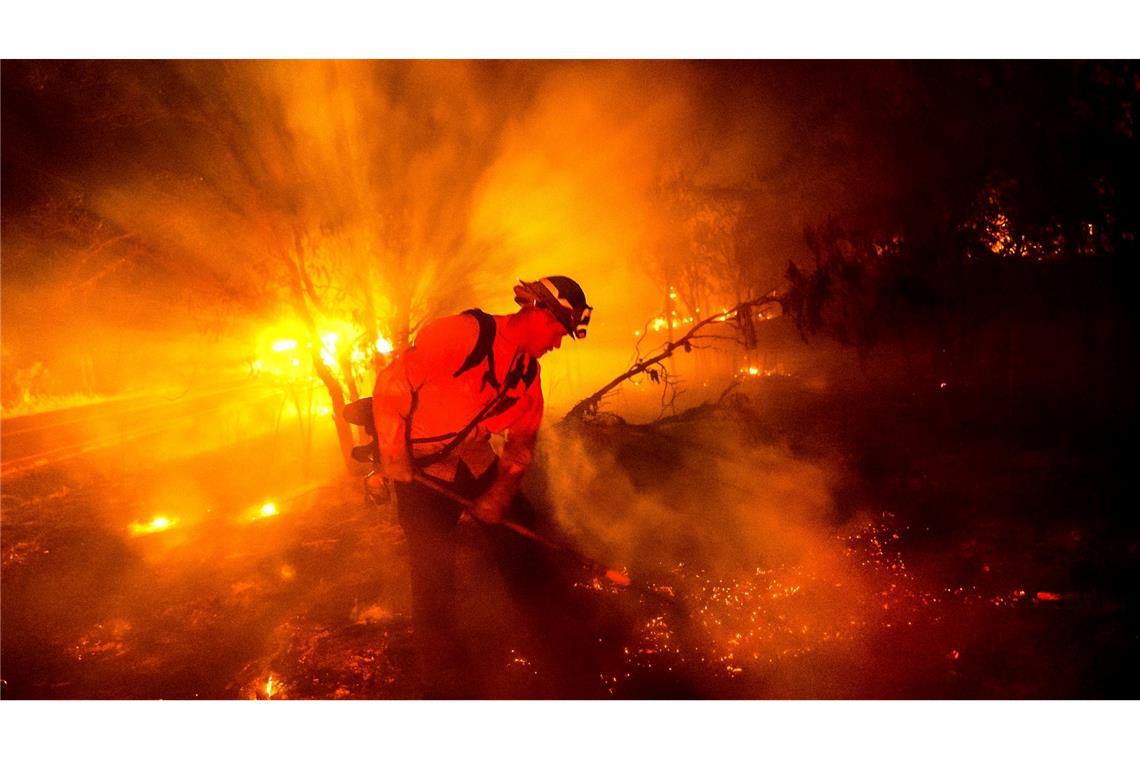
425 377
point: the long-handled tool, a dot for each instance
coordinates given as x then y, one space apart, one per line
616 577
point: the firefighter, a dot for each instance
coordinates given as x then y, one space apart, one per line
435 408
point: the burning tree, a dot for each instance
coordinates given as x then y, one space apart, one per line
341 189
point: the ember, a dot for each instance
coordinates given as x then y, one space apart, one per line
155 525
820 466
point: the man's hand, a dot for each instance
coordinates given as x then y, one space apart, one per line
491 507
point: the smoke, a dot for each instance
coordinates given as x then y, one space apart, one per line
156 203
164 221
704 493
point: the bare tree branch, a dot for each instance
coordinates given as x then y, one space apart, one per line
589 405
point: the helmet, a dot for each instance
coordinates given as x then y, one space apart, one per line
562 297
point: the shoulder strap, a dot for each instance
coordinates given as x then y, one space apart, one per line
484 348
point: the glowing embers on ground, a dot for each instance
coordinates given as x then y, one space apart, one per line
369 659
157 524
269 686
745 625
736 623
104 641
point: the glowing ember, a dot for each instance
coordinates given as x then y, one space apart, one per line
285 344
613 576
266 510
383 346
156 525
753 371
737 627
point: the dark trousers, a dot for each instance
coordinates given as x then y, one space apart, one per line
429 521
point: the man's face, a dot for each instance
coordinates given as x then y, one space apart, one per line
548 335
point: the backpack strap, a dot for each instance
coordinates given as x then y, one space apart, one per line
523 369
484 349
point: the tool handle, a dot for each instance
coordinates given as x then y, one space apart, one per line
614 576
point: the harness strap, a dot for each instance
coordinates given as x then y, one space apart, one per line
521 370
501 402
484 349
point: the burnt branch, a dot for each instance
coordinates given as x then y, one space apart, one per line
588 406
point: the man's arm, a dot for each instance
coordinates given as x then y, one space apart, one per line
391 403
518 453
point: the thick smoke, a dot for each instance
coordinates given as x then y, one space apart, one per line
706 493
150 206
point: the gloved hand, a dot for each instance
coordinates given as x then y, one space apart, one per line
491 507
376 489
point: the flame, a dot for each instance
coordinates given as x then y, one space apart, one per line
753 371
266 510
618 577
156 525
339 345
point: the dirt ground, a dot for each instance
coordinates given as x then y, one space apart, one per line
807 543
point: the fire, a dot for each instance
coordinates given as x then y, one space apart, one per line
328 348
741 624
265 687
156 525
615 576
340 346
266 510
754 371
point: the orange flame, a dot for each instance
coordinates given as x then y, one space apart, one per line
156 525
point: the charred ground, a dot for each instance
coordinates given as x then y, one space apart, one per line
917 484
